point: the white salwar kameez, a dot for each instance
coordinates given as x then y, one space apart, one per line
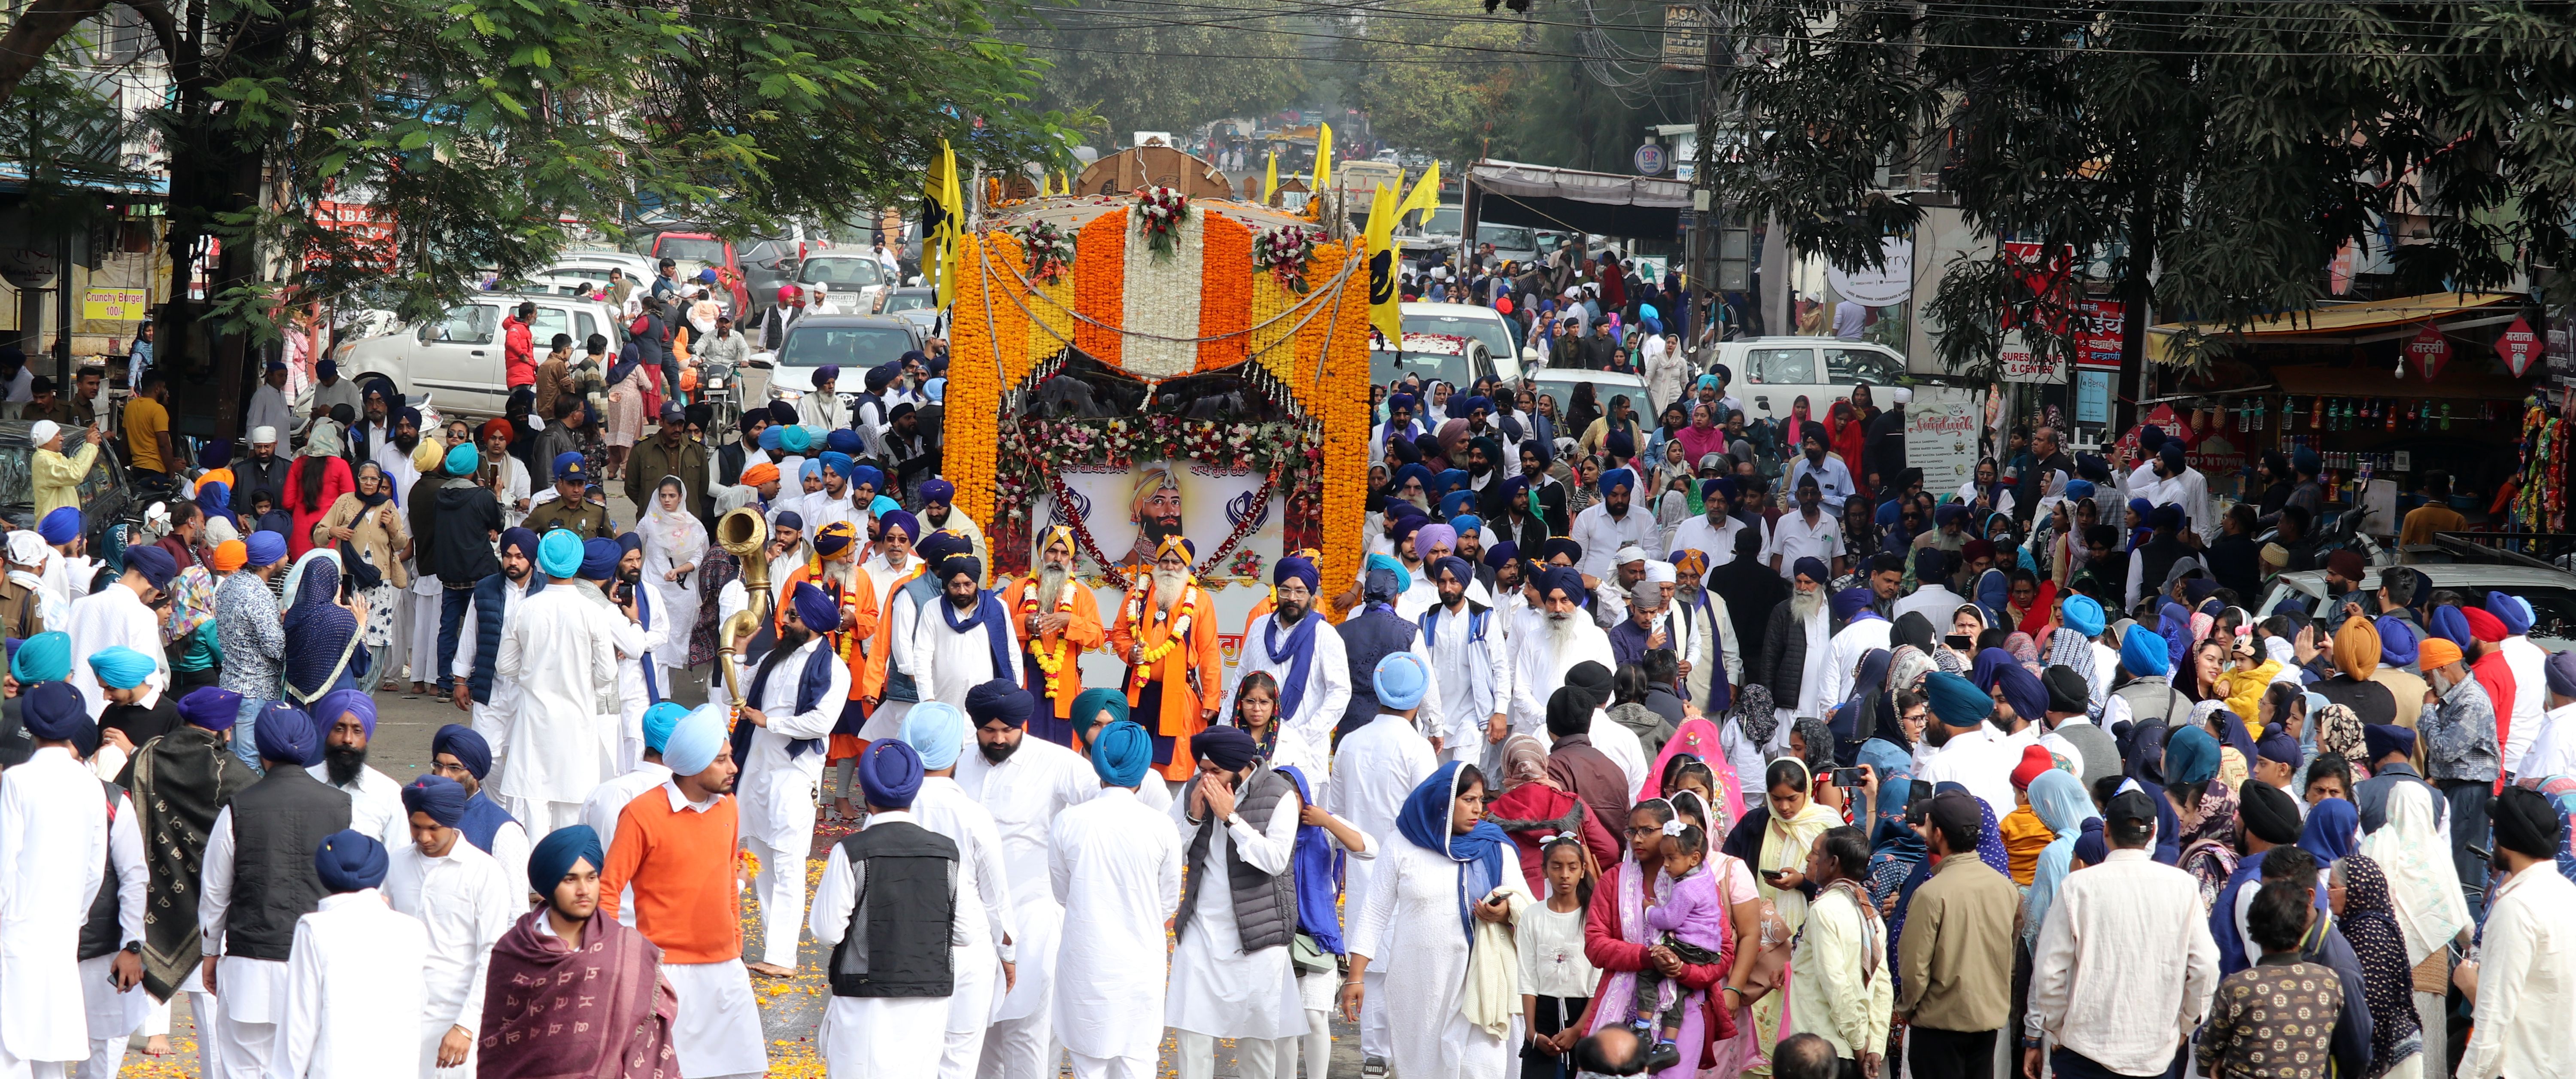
671 540
1539 666
562 735
1024 793
1409 922
375 804
1217 989
491 717
1376 767
601 809
107 618
975 960
1327 694
775 794
954 662
1816 678
1115 866
354 992
465 901
114 1015
866 1037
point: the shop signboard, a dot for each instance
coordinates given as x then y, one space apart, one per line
2519 345
2429 351
2021 365
1884 285
1941 426
2097 332
1686 28
2562 348
114 304
2092 395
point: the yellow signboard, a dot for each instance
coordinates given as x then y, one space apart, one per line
115 304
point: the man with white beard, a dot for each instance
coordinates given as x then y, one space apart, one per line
1023 782
1059 620
1305 657
1798 650
1715 664
1472 665
969 641
1566 637
1166 636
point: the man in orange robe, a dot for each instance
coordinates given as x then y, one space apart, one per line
1055 631
835 569
1166 633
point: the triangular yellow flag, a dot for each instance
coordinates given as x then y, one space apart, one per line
953 229
1425 196
1323 162
1270 180
1384 315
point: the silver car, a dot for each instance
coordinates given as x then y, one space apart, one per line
2551 593
456 359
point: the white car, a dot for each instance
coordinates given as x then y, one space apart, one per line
2551 593
458 356
851 281
1460 368
853 343
1771 373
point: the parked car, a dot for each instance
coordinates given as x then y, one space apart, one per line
456 358
1467 320
852 280
767 264
695 251
1512 243
912 303
2551 593
853 343
594 265
105 499
1771 373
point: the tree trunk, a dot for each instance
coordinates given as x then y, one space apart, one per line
2137 291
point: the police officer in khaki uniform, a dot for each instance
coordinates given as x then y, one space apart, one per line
573 506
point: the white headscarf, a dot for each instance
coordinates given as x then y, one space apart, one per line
2423 886
675 533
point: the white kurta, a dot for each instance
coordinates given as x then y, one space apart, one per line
491 718
1328 692
375 805
954 662
562 657
675 605
776 790
865 1037
1539 666
601 809
1217 989
53 856
1024 793
1456 665
636 646
1815 678
1856 640
1115 866
1408 922
354 992
114 1015
1602 534
464 902
104 619
1377 765
975 959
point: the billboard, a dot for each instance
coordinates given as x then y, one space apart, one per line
1125 513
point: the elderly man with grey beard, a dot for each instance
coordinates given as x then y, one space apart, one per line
1797 648
1566 637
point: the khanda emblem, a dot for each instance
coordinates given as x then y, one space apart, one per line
1247 506
1381 276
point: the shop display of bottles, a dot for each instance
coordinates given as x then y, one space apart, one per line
2321 413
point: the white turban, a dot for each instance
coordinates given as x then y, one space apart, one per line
26 548
263 436
43 432
1661 572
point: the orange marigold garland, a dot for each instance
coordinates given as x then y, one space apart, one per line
1339 339
974 396
1225 293
1100 286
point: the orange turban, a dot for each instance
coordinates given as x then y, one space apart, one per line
2356 649
230 555
2436 652
758 474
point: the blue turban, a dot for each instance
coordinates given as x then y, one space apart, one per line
795 438
558 852
2151 438
1502 554
1403 401
2305 462
328 710
1415 472
61 526
285 734
1089 707
940 491
882 505
210 708
1228 748
155 564
882 375
2191 755
559 553
1851 601
694 741
2084 615
599 559
1957 701
1000 699
1930 563
1564 579
788 519
658 721
1811 568
1620 444
1292 567
1616 478
890 771
119 667
897 519
1948 513
1401 578
1454 566
2143 653
440 797
1463 408
463 459
814 609
348 861
567 466
524 539
2449 624
843 441
2171 454
2396 641
769 439
827 374
2023 691
1466 524
2381 739
869 475
468 745
1400 680
827 543
1121 752
1455 501
45 657
2275 745
1721 487
835 462
2165 517
2079 490
56 712
263 549
937 731
2512 611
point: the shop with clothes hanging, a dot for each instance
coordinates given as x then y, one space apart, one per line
2385 390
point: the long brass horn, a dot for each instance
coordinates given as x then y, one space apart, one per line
743 534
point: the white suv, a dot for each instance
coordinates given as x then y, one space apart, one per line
457 357
1771 373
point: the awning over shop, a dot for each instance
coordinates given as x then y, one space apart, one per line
2349 323
1509 193
2456 383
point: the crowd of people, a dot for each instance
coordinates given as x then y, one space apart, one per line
1632 751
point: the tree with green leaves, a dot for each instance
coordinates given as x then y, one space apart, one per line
2218 153
1159 65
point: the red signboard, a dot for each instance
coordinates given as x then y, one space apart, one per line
370 229
2430 350
2098 324
2520 346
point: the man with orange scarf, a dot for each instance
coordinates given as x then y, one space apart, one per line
1059 621
834 568
1166 633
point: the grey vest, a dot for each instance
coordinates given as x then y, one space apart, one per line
1265 906
278 823
898 941
102 932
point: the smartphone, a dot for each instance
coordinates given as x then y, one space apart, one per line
1957 641
1847 777
1774 874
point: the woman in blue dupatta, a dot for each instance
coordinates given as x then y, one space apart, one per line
323 650
1420 918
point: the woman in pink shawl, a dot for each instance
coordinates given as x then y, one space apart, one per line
1618 941
1703 436
1696 738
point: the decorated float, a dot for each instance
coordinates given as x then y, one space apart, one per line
1161 360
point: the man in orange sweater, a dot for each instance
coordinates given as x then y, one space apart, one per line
1059 621
1166 634
675 846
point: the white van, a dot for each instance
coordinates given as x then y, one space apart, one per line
457 357
1771 373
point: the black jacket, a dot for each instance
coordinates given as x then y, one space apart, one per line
1784 656
461 536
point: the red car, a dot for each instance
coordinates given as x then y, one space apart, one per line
695 251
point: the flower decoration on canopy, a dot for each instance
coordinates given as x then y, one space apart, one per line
1283 253
1049 249
1159 213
